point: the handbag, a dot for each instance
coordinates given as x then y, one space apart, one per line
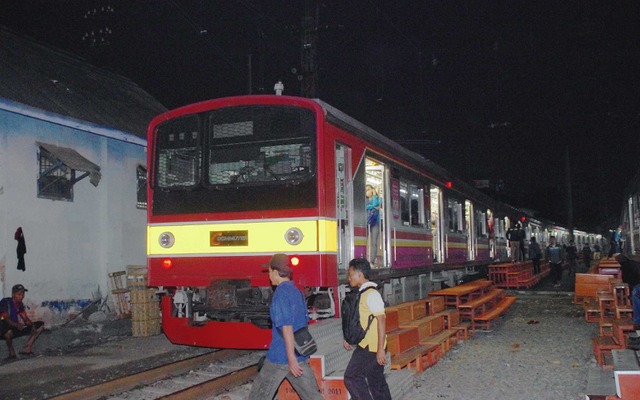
303 342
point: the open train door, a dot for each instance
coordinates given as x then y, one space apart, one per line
437 214
470 230
344 206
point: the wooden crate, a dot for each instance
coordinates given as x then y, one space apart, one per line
149 327
144 311
143 295
136 276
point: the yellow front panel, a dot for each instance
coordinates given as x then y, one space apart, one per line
263 237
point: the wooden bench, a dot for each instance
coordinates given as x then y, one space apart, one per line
464 330
419 358
404 311
469 308
444 339
391 320
451 317
484 320
427 326
402 339
603 345
592 312
587 286
434 304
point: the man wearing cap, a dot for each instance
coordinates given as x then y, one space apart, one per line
288 313
14 322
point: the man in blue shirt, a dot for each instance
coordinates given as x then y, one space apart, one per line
288 313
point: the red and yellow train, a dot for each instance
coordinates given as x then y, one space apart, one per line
234 180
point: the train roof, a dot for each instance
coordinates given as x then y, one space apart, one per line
363 131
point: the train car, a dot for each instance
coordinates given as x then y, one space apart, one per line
234 180
630 218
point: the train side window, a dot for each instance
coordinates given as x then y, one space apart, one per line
454 215
412 210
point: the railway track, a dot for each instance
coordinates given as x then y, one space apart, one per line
199 377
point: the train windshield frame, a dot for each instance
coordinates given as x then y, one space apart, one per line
240 158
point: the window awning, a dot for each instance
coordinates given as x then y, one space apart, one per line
74 160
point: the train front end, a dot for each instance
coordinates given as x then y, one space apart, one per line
231 182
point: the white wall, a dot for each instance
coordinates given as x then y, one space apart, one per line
71 246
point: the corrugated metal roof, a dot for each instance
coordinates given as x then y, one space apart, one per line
52 80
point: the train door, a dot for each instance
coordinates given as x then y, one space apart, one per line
470 230
491 234
436 223
344 206
375 194
631 238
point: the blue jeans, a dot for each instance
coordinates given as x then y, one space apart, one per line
635 300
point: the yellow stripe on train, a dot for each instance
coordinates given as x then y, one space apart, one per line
266 236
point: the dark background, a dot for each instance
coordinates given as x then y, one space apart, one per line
494 90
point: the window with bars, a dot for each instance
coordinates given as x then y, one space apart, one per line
55 179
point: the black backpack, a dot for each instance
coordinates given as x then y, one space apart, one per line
350 312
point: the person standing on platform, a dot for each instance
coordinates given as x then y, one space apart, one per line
513 235
521 249
586 256
553 254
572 257
364 376
373 221
288 313
535 254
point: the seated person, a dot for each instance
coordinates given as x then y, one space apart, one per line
14 322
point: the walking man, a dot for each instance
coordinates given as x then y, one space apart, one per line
288 313
364 376
14 322
535 254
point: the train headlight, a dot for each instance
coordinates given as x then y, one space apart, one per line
293 236
166 239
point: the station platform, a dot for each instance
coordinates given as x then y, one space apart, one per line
85 353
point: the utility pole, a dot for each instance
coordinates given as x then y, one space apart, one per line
309 50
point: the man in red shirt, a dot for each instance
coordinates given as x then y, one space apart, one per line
14 322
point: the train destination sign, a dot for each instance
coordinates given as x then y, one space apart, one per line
229 238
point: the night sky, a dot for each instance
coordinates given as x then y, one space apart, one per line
498 90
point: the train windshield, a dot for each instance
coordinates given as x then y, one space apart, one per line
226 159
259 145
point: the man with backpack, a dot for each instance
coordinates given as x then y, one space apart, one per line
364 376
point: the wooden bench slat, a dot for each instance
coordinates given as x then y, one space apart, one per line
475 303
414 355
497 310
